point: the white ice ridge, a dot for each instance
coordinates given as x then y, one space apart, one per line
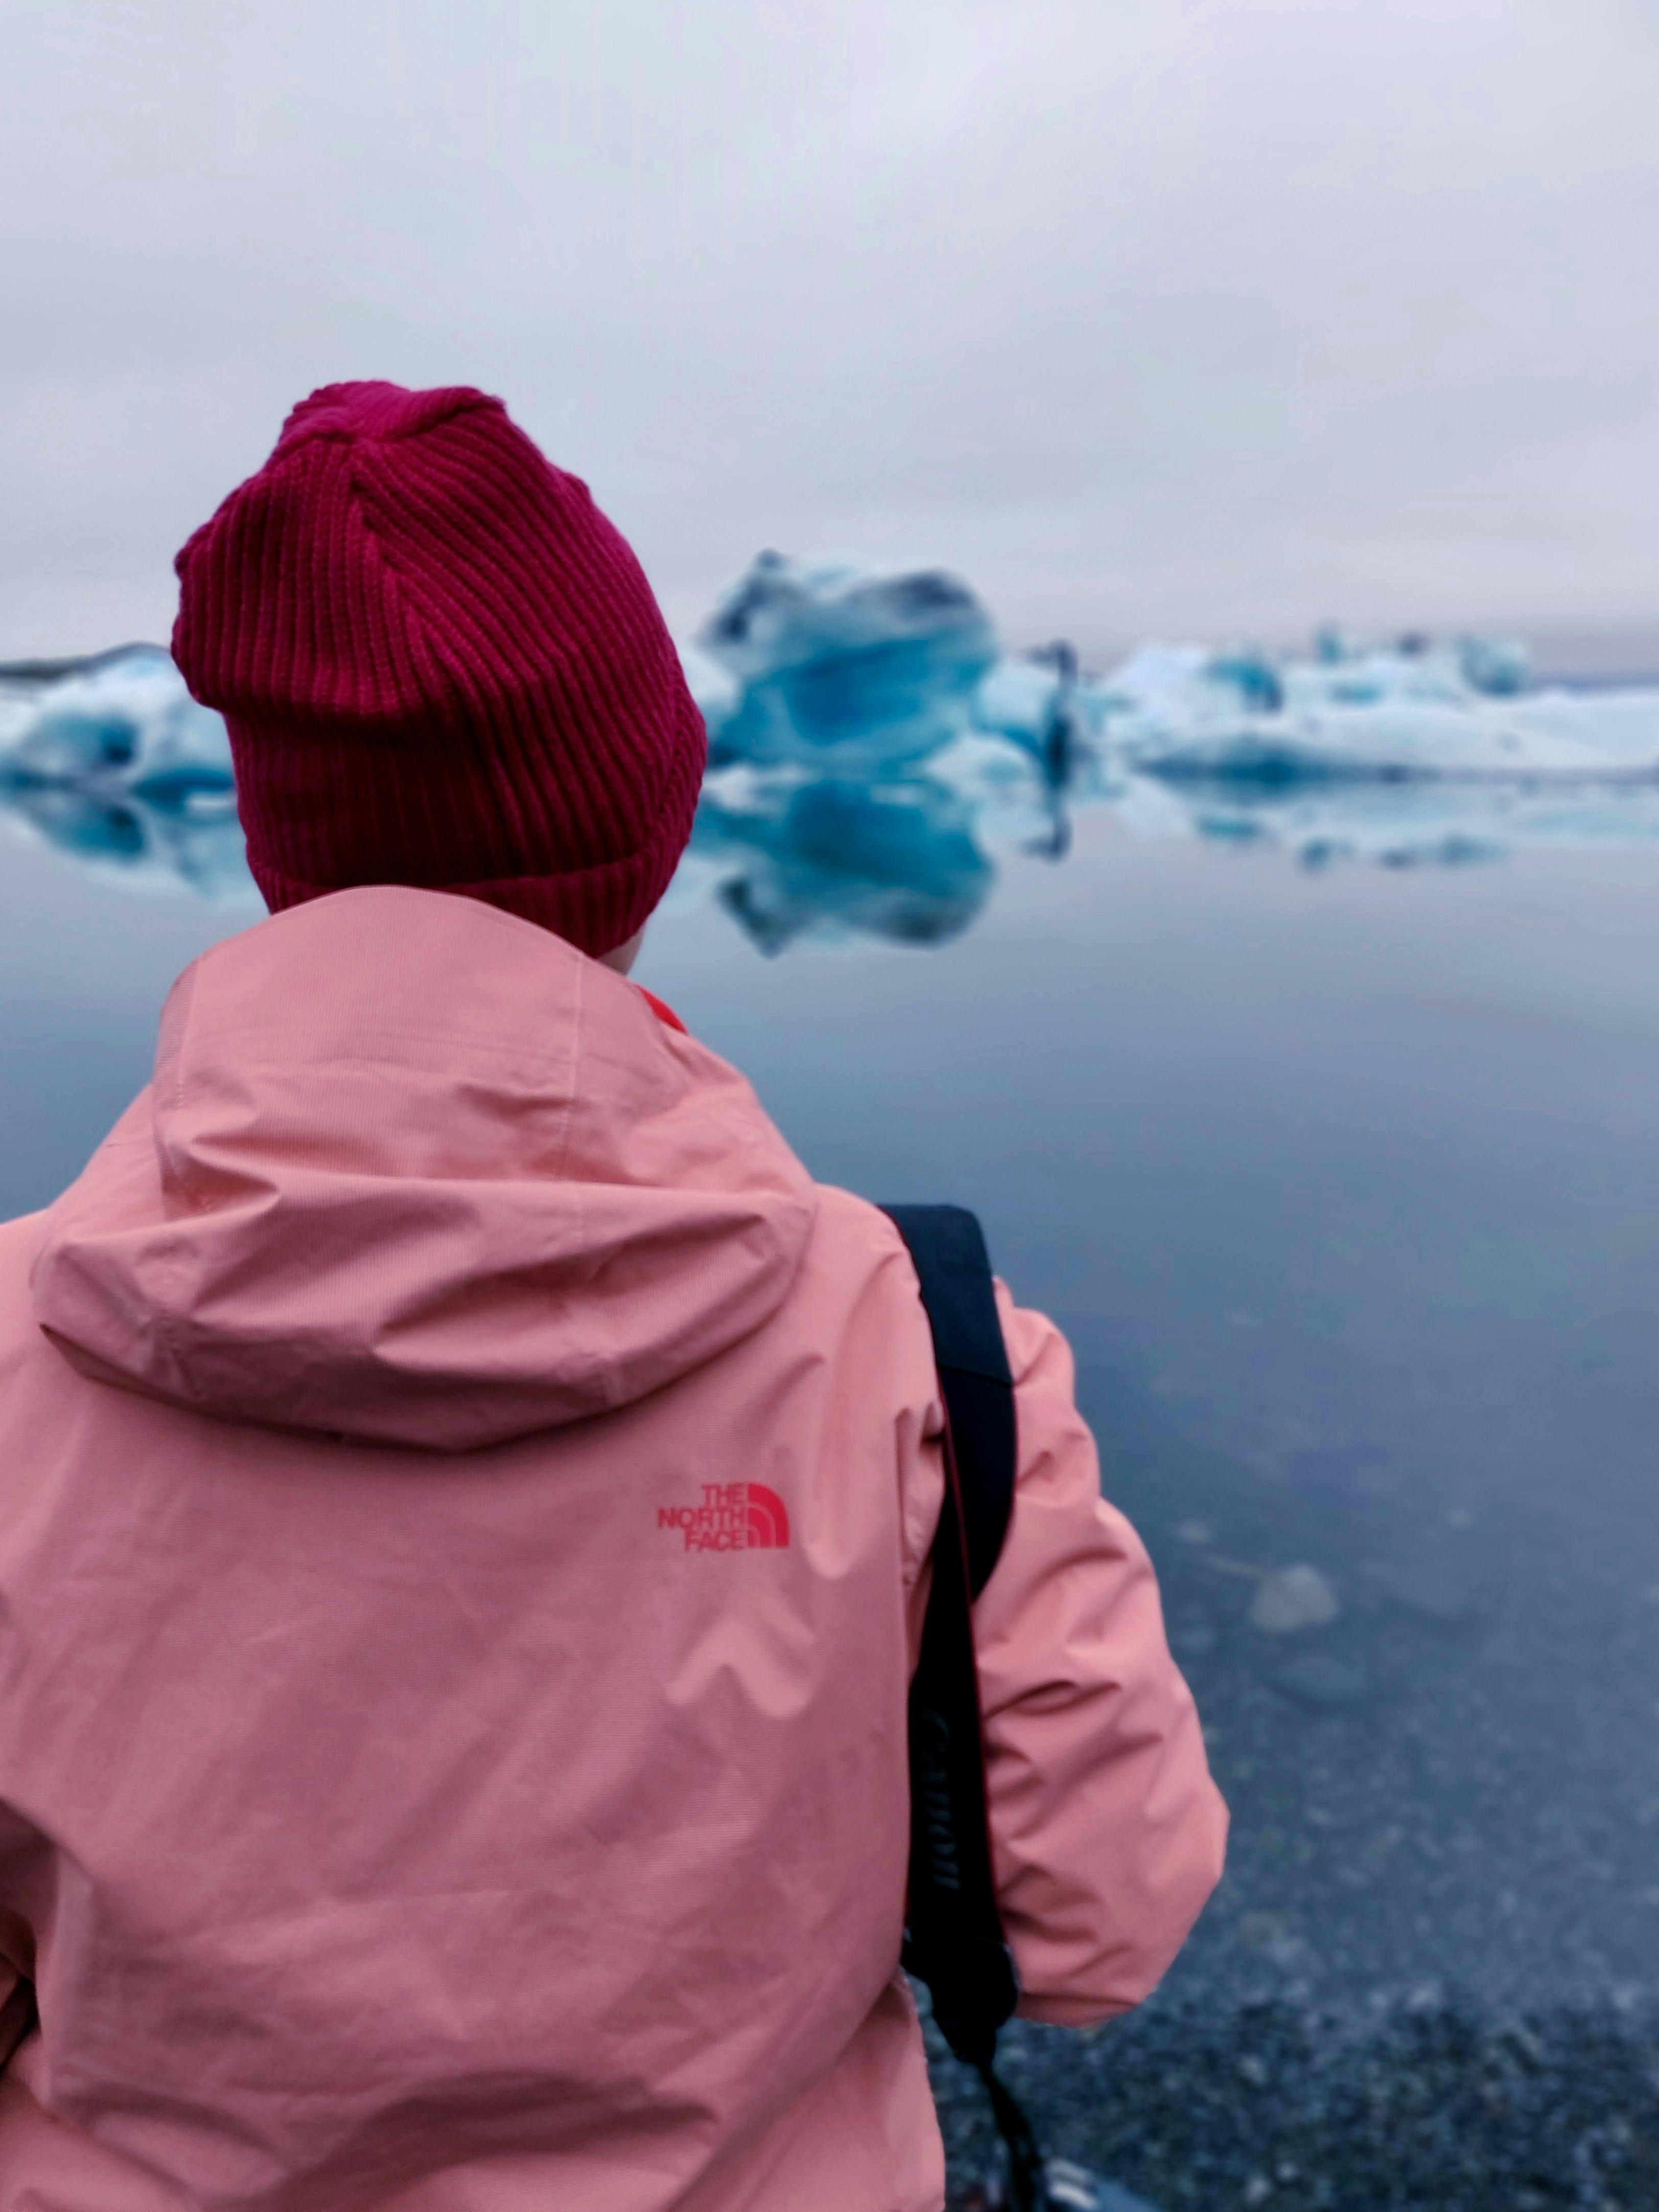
869 740
1464 709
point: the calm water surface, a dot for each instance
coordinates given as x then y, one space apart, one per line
1342 1185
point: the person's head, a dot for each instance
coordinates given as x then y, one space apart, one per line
440 665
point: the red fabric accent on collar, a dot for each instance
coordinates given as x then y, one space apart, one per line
662 1010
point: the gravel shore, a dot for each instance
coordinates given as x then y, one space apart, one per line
1439 2109
1430 1979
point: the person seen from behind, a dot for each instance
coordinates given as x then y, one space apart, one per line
465 1492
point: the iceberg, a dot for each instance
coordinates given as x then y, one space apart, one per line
821 660
783 614
1184 714
110 760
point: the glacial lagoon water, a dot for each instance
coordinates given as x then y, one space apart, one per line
1341 1178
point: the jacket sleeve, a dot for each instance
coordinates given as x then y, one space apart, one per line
1107 1832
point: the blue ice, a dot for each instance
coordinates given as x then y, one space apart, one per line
816 661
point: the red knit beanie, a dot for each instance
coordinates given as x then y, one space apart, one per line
440 665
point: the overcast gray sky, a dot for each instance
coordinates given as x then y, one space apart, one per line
1149 316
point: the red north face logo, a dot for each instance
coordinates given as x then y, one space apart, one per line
734 1516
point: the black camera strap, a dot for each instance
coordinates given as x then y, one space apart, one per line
954 1941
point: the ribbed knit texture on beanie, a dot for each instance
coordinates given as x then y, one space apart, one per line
440 665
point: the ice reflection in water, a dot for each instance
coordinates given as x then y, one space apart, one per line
896 858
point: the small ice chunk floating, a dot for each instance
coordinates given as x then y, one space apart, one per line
870 744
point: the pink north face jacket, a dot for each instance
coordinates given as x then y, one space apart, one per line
463 1491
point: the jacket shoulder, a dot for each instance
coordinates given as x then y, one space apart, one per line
856 1239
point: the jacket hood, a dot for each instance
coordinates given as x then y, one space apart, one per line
414 1171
